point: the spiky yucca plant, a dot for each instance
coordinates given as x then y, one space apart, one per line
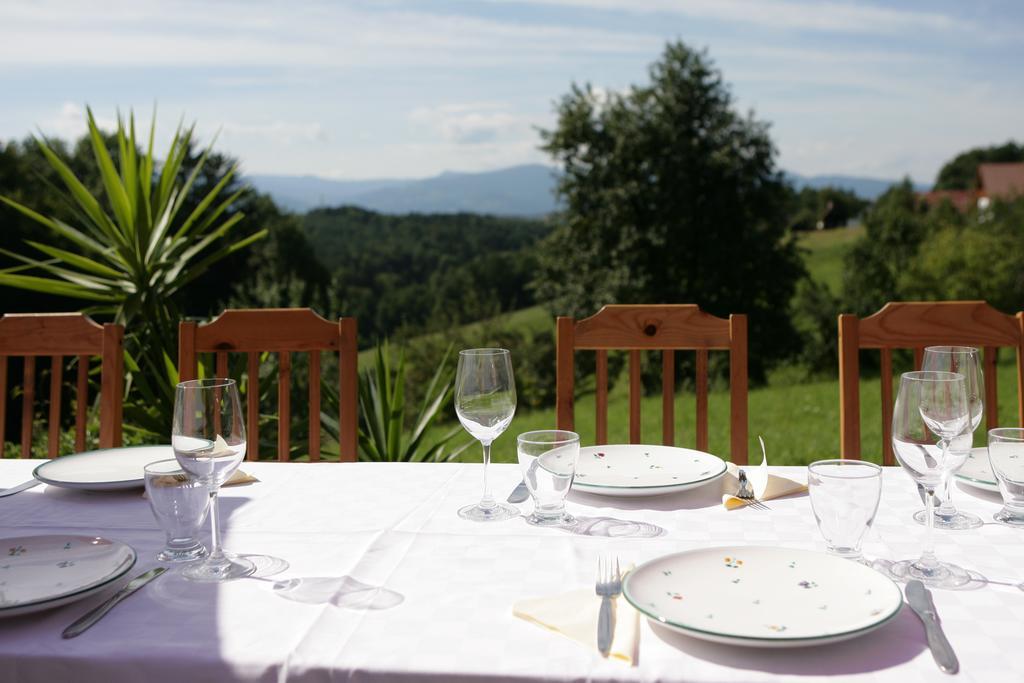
134 249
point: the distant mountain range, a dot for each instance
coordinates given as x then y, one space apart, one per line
515 191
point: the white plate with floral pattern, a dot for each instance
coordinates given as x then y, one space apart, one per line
40 572
105 469
763 597
977 471
638 470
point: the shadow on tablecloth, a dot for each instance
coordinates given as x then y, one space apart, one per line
899 641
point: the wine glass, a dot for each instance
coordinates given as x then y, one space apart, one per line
931 411
208 438
965 360
485 401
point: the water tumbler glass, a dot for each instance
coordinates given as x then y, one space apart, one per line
180 503
1006 455
844 497
548 461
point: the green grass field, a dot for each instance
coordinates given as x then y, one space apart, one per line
824 251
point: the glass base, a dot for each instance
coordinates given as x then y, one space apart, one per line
955 522
495 513
1010 518
182 553
225 568
942 575
563 521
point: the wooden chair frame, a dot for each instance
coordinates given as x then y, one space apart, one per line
915 325
668 328
31 335
281 331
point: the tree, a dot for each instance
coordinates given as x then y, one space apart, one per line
961 173
893 231
671 196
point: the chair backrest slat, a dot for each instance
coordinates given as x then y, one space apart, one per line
348 382
284 412
635 394
887 405
28 397
56 381
668 396
601 398
252 407
738 417
81 401
702 399
916 325
314 406
664 327
283 331
988 359
3 401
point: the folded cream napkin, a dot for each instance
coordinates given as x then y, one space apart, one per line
766 486
240 478
574 615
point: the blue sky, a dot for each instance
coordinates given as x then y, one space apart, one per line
410 88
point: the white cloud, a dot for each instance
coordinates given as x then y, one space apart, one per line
69 122
818 16
323 35
278 131
473 123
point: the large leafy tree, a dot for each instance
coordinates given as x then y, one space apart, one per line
671 195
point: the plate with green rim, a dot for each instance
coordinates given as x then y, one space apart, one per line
42 572
765 597
105 469
977 471
642 470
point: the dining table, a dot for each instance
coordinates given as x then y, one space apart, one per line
366 573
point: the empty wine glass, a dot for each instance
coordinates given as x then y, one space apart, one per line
931 410
208 438
966 361
485 401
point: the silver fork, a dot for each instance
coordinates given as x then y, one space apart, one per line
609 587
746 492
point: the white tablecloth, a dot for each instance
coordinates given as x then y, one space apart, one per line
445 613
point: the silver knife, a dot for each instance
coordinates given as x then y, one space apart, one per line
97 613
519 493
920 599
19 488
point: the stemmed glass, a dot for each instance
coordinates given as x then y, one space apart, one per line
931 411
962 359
485 401
208 438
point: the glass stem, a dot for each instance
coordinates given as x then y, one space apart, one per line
216 554
928 559
945 508
487 501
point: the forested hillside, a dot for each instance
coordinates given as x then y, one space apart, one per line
424 270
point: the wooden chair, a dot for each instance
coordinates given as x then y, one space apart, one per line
31 335
915 325
281 331
667 328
